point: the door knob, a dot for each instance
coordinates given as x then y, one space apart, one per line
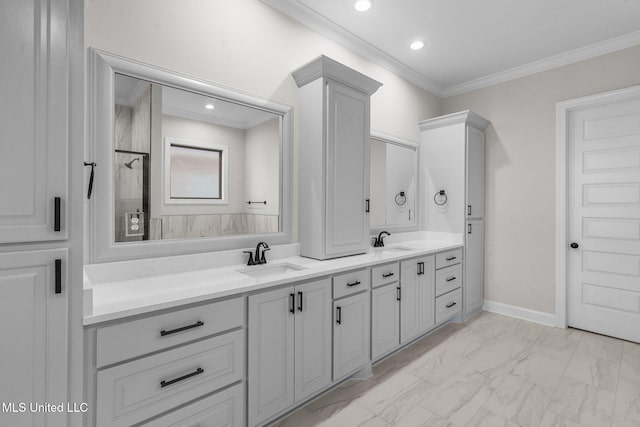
574 245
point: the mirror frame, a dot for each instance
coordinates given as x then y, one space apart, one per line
399 228
99 220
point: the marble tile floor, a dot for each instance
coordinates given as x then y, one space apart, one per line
491 371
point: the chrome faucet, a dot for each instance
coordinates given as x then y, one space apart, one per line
258 259
379 241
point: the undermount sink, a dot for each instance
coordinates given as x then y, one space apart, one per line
261 271
394 249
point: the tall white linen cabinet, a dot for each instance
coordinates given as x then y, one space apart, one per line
333 153
451 157
41 220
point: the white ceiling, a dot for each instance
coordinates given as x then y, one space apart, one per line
189 105
472 43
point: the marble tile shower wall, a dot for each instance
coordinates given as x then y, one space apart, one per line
189 226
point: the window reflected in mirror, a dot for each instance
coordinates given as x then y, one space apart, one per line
190 166
393 181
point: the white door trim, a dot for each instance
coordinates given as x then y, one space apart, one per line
563 108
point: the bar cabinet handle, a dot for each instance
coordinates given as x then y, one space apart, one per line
164 333
182 378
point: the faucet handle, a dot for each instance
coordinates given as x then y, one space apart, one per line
251 261
263 260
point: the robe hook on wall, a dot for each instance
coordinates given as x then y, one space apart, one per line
93 167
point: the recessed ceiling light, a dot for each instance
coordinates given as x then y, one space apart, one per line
209 107
363 5
417 45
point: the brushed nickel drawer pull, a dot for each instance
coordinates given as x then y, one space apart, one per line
356 283
182 378
451 304
449 279
164 333
387 275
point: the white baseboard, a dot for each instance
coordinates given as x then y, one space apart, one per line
541 317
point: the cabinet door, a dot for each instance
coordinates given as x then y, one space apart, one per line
33 118
474 267
428 294
410 299
385 319
417 297
347 222
312 338
475 173
351 333
271 354
33 343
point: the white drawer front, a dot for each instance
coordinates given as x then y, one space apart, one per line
224 409
448 305
448 279
138 390
350 283
127 340
384 274
445 259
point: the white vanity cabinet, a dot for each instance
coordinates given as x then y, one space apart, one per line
334 116
474 266
34 341
164 364
452 160
40 41
34 118
289 349
402 310
417 294
351 332
449 282
385 310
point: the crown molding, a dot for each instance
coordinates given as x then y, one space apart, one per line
310 18
323 66
467 116
556 61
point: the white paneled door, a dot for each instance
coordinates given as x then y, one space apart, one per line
604 219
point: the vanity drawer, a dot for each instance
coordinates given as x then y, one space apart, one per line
138 390
383 274
448 279
445 259
224 409
127 340
350 283
448 305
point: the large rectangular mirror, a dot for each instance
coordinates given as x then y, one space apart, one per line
181 160
393 183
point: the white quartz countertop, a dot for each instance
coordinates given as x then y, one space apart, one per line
124 298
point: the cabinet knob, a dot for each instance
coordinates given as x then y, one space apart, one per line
574 245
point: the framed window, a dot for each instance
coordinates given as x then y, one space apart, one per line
195 172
